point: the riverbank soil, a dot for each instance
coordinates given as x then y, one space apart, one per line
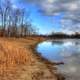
19 62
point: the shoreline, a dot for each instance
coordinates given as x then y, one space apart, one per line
20 61
47 62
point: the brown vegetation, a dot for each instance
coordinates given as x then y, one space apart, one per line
18 62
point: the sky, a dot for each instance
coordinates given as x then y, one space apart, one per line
52 15
45 24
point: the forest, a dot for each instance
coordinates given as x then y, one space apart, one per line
13 22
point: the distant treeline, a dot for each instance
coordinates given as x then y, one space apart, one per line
14 21
61 36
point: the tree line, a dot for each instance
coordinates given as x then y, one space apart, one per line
61 35
14 21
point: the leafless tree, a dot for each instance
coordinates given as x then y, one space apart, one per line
14 21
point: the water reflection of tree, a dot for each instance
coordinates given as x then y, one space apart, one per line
57 42
77 43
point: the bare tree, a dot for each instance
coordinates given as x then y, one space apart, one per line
1 15
14 21
22 21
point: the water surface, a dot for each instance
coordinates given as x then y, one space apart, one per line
67 51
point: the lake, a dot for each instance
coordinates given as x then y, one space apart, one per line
67 51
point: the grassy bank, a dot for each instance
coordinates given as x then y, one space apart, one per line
18 61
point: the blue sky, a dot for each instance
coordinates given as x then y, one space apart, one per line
45 24
52 15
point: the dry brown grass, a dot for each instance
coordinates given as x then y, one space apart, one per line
17 61
12 55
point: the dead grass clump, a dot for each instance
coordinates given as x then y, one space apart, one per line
12 55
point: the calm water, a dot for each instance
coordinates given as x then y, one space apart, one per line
67 51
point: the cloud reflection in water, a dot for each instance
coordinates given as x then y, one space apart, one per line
68 51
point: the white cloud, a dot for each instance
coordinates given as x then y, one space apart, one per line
70 8
56 6
14 6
